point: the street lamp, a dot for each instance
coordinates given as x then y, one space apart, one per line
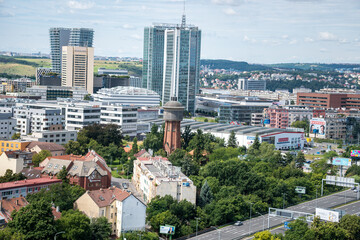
197 224
316 201
263 220
218 231
250 217
284 200
58 234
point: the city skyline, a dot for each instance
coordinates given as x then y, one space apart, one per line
246 30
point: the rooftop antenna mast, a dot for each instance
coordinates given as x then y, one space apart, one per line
183 19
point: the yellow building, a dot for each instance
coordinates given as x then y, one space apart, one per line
12 145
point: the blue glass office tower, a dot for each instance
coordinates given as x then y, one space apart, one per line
171 62
59 37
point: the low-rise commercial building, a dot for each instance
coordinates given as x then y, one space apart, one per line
24 187
122 209
53 92
156 176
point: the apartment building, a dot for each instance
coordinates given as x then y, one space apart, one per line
122 209
15 161
56 136
122 115
156 176
7 126
13 145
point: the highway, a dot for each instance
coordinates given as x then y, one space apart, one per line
259 223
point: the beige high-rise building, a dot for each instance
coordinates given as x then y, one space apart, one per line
78 67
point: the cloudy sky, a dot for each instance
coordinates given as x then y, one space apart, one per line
256 31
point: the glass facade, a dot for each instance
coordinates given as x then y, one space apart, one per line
171 62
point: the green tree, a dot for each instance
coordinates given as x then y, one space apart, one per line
9 176
34 221
63 175
351 223
300 160
37 158
301 124
15 136
256 144
206 195
87 97
75 224
186 136
265 235
232 140
297 231
135 148
135 235
74 147
100 228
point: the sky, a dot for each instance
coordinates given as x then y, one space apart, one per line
255 31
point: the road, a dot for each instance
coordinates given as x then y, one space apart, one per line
259 223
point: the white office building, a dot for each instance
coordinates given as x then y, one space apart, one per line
128 96
7 126
57 136
80 115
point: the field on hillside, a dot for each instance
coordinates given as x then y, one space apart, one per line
14 68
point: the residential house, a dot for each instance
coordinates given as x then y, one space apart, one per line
7 206
15 161
32 172
123 210
55 149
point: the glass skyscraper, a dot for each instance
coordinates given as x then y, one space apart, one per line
171 62
59 37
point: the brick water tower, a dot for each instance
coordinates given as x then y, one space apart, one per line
173 115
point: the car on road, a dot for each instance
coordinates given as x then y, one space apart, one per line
356 190
353 188
238 223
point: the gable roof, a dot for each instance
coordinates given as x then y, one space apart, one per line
9 205
104 197
141 153
46 146
31 173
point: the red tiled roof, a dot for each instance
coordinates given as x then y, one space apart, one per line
56 214
128 148
9 205
141 152
30 182
46 146
70 157
152 158
104 197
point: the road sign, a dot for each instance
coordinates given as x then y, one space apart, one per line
341 161
167 229
286 225
300 190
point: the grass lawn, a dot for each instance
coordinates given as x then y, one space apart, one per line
312 157
202 119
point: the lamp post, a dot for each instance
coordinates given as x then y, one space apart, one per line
263 220
197 224
250 217
218 231
316 195
284 200
58 234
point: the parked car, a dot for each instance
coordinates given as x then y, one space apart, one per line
238 223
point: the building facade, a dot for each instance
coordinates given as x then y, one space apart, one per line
156 176
56 136
78 67
251 84
7 126
122 209
327 100
55 92
171 62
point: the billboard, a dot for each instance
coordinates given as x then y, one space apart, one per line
355 153
299 189
328 215
167 230
341 161
340 181
318 126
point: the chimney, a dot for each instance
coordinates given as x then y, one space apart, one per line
16 201
0 205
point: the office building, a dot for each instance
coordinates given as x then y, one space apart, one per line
112 72
56 136
49 80
55 92
128 96
171 62
156 176
59 37
251 84
78 67
41 72
108 81
122 115
135 82
7 126
79 115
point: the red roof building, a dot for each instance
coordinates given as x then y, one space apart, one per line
16 189
7 206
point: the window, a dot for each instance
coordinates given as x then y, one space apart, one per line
16 145
102 213
111 215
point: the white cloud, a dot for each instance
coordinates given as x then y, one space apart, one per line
4 13
227 2
285 36
343 40
80 4
127 26
229 11
308 39
293 41
327 36
323 50
136 36
247 39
